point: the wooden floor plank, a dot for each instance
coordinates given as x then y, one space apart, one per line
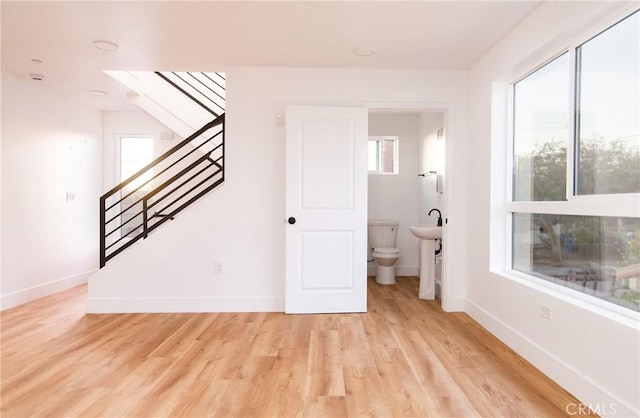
366 393
443 397
405 357
326 406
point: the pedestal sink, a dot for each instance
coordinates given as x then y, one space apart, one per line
428 236
427 232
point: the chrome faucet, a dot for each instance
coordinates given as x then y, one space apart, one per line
439 216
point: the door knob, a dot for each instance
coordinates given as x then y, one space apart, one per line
291 220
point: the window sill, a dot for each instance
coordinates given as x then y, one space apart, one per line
380 173
590 303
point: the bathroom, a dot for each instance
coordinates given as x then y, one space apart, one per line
405 144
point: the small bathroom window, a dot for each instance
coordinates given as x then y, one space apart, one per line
383 155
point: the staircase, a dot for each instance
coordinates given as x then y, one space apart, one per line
156 193
204 89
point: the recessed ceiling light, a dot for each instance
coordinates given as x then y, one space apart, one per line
36 77
98 92
364 51
105 45
36 61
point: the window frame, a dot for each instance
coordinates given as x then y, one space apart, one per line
396 155
603 205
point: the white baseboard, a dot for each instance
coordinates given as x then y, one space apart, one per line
582 387
454 304
165 305
19 297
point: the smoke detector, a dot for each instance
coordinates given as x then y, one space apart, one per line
363 51
105 45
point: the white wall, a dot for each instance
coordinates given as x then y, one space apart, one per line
394 196
115 124
431 158
50 146
242 224
594 356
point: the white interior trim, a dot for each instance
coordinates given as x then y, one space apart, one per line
167 305
12 299
574 381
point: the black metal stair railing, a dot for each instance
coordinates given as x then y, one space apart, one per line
161 189
207 90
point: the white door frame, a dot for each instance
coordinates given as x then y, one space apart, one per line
450 275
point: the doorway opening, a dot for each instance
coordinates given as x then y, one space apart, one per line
417 185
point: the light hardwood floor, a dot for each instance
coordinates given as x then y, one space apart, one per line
403 358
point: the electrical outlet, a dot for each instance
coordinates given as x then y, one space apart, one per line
217 267
545 312
279 120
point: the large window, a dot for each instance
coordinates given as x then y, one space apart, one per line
575 190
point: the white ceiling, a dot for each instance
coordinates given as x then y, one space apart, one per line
212 36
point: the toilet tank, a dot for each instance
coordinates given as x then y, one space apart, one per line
382 233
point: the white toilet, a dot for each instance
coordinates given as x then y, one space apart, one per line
382 239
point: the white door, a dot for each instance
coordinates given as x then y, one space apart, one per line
326 210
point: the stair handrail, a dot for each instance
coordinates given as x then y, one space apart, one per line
217 121
103 209
189 95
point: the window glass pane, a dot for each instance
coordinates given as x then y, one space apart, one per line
135 153
388 155
541 133
596 255
383 156
608 106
